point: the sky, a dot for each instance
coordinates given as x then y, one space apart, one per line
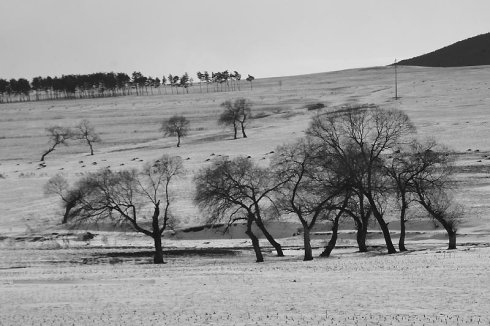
264 38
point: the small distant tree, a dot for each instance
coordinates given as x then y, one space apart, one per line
250 79
171 82
177 125
57 136
229 117
237 77
207 79
243 107
164 83
85 132
200 76
128 196
175 83
234 114
70 197
156 84
4 85
185 82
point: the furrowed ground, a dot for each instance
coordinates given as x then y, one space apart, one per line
423 287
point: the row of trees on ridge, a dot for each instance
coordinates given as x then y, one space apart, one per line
112 84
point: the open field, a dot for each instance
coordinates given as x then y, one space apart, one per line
49 276
116 286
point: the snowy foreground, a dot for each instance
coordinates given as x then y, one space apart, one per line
103 286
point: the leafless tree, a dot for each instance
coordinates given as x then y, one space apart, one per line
71 197
177 125
432 187
359 137
87 133
237 190
57 136
236 114
127 196
243 107
313 189
229 117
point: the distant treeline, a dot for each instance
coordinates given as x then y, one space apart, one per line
113 84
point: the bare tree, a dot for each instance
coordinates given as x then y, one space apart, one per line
243 107
87 133
234 114
238 190
432 188
71 197
127 196
177 125
57 136
229 117
312 189
360 136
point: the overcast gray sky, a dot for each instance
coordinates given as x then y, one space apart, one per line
259 37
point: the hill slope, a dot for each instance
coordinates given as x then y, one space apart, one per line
474 51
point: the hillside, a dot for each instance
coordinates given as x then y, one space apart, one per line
474 51
450 105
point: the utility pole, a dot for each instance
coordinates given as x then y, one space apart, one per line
396 82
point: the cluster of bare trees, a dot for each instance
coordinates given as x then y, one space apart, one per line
354 163
59 135
236 114
110 84
140 198
360 163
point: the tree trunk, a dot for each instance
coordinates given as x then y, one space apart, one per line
307 242
383 225
269 237
361 236
452 239
243 131
68 208
451 232
255 242
403 210
386 233
401 242
333 240
91 147
46 153
178 140
158 257
157 235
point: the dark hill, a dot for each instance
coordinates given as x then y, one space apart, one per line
474 51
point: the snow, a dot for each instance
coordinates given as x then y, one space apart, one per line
59 280
435 287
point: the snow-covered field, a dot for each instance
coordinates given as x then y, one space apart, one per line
47 278
94 286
